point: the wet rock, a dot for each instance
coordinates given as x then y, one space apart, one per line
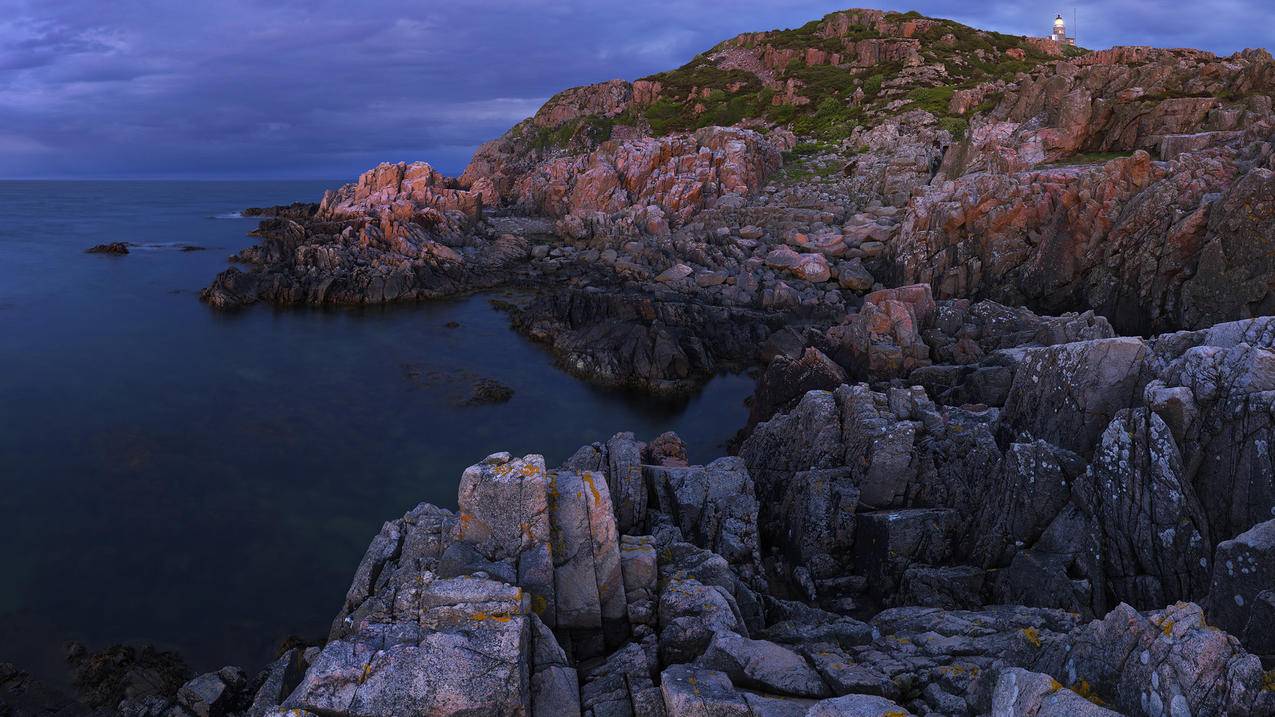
21 694
117 248
639 341
105 678
488 391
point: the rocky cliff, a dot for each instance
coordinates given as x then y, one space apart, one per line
780 176
1010 450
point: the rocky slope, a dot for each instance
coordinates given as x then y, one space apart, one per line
780 176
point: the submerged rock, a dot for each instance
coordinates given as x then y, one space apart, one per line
487 391
117 247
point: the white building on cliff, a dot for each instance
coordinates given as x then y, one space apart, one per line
1060 35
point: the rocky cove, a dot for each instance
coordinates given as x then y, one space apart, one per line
1009 451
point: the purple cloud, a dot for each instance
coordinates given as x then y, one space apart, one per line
320 88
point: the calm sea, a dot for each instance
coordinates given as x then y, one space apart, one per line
208 482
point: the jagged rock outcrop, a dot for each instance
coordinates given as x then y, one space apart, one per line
1150 245
1089 488
679 174
944 502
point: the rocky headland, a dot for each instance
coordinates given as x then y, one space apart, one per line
1010 450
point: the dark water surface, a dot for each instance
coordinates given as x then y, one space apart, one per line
208 482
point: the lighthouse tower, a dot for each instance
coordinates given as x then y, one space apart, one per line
1060 32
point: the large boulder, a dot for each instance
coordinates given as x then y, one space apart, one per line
1068 394
622 685
883 340
817 519
450 646
690 614
215 694
715 508
1242 591
624 478
807 437
762 665
786 380
1149 528
1020 693
1029 491
588 580
504 518
1167 661
700 692
857 706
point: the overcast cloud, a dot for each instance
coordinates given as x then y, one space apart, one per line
327 88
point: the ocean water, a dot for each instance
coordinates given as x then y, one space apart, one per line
207 482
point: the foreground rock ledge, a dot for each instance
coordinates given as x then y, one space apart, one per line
528 600
1081 548
868 552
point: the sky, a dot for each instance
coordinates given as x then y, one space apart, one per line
282 89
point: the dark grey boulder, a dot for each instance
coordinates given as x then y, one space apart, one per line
1242 591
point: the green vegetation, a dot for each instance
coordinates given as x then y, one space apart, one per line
804 149
843 97
796 172
590 131
958 126
932 99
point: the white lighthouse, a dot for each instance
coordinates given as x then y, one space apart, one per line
1059 34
